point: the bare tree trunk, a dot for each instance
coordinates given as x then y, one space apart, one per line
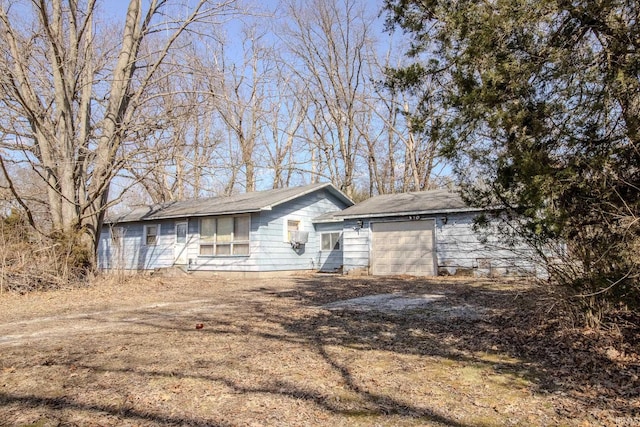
75 148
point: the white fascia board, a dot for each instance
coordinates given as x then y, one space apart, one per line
327 221
322 186
198 215
409 213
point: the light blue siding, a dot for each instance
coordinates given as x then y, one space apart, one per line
356 249
104 249
269 250
131 252
280 255
329 261
460 249
223 263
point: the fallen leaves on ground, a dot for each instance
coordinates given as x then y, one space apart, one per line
490 352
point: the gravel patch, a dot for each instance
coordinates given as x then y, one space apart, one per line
385 302
436 305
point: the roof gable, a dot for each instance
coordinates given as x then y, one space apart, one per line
226 205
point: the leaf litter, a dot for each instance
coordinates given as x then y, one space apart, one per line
311 350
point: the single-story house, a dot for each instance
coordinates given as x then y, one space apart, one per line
314 227
424 233
264 231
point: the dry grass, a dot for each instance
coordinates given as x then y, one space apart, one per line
270 354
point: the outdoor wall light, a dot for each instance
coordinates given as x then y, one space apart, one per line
359 224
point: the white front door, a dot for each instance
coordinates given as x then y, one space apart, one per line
181 243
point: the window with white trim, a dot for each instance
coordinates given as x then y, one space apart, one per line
291 224
330 241
225 235
151 233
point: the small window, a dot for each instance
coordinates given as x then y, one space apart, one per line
206 250
292 225
207 229
151 233
330 241
181 233
223 249
241 228
224 230
241 249
224 235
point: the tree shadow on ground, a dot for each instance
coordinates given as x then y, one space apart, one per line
378 405
519 321
522 321
149 325
121 412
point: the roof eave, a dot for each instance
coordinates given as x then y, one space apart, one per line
327 221
409 213
198 215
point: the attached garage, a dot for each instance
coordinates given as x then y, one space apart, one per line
403 247
424 233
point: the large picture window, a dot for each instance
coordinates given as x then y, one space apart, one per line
225 235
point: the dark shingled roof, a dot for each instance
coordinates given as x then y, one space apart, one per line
422 202
225 205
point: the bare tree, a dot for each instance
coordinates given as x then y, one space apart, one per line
403 147
328 40
240 87
72 104
287 109
173 159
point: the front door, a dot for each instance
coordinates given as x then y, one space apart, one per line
181 243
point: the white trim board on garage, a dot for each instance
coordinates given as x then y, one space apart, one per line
403 247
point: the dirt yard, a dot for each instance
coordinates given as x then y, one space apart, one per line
309 350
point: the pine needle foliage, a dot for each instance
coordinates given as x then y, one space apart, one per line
543 101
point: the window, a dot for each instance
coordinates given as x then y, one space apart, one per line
151 233
207 236
241 227
181 233
330 241
225 235
291 225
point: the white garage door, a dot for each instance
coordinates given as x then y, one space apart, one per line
403 247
